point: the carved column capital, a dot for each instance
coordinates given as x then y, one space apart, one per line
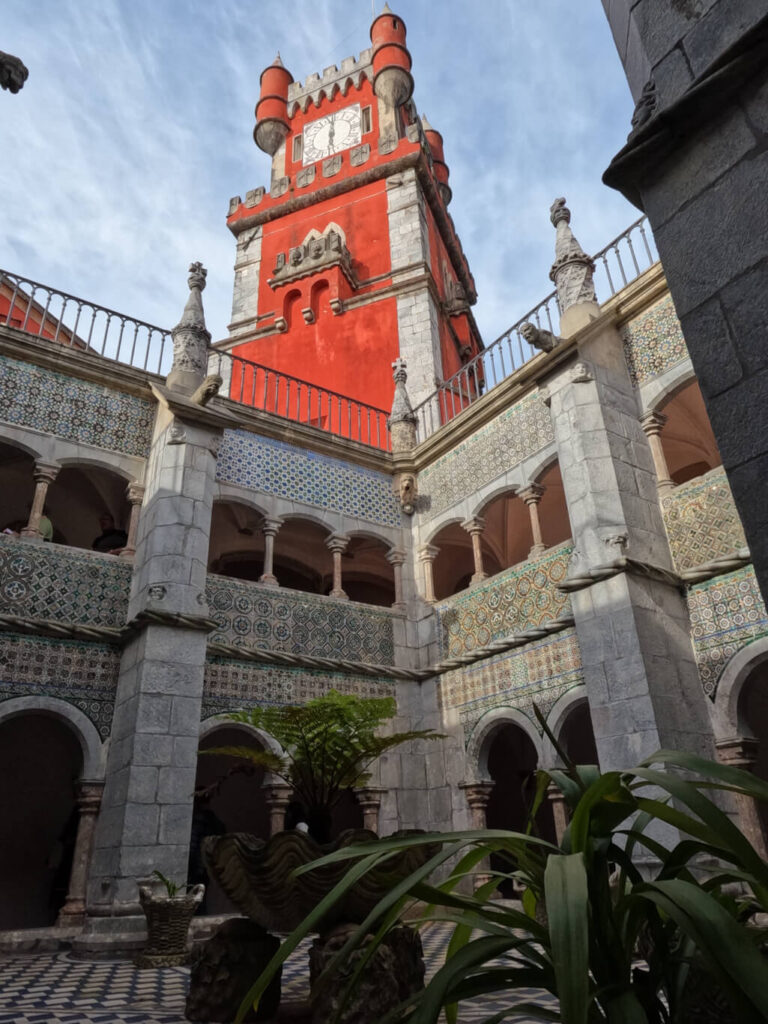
45 472
428 553
532 494
396 556
477 793
337 543
369 799
738 751
653 423
277 796
473 526
270 525
135 493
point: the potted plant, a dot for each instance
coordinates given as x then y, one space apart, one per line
169 909
328 745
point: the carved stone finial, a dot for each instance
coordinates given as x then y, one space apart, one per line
538 337
402 419
572 270
425 124
191 338
13 73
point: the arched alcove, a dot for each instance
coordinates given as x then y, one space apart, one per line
81 501
366 574
507 532
454 563
687 439
753 716
236 546
16 485
41 761
577 737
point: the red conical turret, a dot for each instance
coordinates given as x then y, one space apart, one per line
392 80
435 143
272 124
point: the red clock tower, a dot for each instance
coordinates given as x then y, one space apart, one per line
351 258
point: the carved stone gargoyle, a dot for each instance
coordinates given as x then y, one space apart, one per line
539 338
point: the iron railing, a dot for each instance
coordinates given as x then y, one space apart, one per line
620 262
68 320
252 384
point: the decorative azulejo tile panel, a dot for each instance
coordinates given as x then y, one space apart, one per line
299 475
253 616
521 431
515 599
726 614
653 342
230 685
702 522
82 673
48 581
540 672
75 409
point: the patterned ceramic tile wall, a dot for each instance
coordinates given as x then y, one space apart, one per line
726 613
515 599
540 672
251 616
653 342
230 685
77 410
84 674
299 475
46 581
702 522
523 429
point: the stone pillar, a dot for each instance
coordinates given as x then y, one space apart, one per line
427 555
474 528
653 423
396 558
477 795
532 495
741 752
88 803
135 497
337 545
369 800
559 810
277 796
44 474
269 528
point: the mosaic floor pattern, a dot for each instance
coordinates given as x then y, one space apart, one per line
55 989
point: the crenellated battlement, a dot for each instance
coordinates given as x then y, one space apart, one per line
316 86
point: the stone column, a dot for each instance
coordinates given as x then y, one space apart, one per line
337 545
532 495
474 528
741 752
370 802
269 528
477 795
427 555
653 423
44 474
88 803
396 558
135 497
559 810
277 796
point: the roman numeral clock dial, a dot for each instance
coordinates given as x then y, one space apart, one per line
331 134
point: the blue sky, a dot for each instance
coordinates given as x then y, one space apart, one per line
133 130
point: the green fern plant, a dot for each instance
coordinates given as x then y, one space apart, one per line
171 888
328 744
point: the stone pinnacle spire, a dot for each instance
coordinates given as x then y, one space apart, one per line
572 270
191 338
402 419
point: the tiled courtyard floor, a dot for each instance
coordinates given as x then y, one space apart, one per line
37 989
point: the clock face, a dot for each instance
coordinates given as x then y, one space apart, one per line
331 134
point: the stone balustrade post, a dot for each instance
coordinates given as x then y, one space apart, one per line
741 752
277 796
559 810
396 558
135 494
477 795
88 804
337 545
474 528
652 424
369 800
44 474
532 495
427 555
270 528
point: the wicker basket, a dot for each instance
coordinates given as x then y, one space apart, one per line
168 919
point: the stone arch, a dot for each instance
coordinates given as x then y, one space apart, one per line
263 738
439 526
654 394
110 464
76 720
23 445
483 734
367 575
725 715
557 718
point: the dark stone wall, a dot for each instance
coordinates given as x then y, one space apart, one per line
699 168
